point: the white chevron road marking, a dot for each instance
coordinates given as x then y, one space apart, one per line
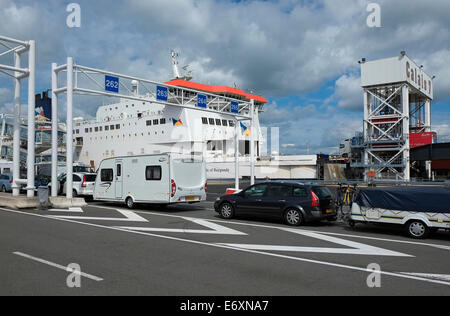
355 248
214 229
70 210
129 217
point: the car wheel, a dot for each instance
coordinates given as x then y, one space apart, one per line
74 194
293 217
417 229
130 203
226 211
3 189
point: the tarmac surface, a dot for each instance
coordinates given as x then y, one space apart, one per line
189 250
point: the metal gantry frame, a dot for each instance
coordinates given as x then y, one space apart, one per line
79 80
17 48
389 118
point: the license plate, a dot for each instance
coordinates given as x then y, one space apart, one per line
190 198
330 211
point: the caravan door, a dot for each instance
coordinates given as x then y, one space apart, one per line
119 179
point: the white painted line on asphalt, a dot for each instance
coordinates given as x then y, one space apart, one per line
442 277
234 222
336 265
70 210
354 247
215 228
55 265
129 217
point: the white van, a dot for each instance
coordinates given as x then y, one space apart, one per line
154 179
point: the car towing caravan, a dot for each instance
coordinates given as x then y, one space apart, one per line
152 179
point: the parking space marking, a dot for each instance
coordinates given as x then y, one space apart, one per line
58 266
129 217
355 248
442 277
215 229
70 210
299 259
234 222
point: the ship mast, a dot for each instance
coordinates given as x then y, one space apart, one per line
176 71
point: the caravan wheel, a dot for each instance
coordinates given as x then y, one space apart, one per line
130 203
417 229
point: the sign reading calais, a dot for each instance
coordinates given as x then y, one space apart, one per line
396 70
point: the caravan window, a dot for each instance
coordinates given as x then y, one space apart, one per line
119 170
107 175
153 173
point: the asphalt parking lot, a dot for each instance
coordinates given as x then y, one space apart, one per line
189 250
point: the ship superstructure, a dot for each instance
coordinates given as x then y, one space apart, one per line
143 127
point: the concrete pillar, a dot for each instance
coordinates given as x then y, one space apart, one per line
16 129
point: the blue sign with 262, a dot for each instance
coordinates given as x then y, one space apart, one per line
234 107
112 84
162 93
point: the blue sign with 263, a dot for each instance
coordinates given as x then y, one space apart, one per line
112 84
162 93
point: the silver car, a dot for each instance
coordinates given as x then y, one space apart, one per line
83 184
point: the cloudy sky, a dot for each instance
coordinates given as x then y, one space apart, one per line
301 55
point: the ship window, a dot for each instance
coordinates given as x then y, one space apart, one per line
224 122
118 126
112 127
106 128
86 130
231 123
155 122
96 129
162 121
149 123
78 131
153 173
218 122
101 128
204 121
139 115
107 175
211 121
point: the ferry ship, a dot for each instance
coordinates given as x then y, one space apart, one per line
128 128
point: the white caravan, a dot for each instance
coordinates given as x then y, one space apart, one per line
420 210
154 179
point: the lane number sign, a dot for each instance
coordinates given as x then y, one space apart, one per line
162 93
234 107
112 84
202 101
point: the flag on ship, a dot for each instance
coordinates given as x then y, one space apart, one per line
245 130
177 122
